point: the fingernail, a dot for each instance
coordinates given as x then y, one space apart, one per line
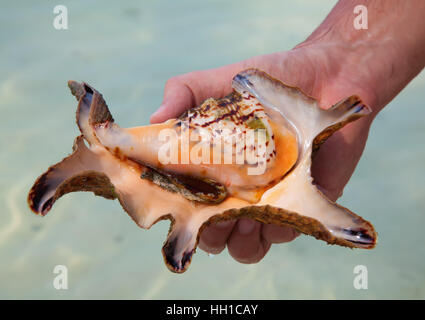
223 224
246 226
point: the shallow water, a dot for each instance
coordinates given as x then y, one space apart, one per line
128 50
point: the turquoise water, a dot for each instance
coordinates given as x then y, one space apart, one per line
128 50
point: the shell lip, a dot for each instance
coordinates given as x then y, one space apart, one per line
173 264
360 237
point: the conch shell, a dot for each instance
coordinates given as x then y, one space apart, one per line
120 163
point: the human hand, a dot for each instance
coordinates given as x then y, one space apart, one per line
335 62
305 67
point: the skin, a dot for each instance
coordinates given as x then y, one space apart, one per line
336 61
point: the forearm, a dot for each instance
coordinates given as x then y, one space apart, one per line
384 57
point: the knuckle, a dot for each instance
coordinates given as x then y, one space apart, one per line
185 79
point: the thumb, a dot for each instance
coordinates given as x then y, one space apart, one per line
178 97
190 89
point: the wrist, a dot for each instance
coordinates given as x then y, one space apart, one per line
348 68
380 60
